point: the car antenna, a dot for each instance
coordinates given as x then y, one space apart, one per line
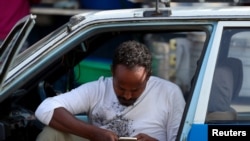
158 12
165 2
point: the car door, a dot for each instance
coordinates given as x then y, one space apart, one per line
222 87
12 45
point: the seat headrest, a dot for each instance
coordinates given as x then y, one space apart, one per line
236 66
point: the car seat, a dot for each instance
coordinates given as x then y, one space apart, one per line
45 90
236 67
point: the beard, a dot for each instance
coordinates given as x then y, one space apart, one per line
126 102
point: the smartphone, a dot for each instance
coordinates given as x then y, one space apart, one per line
127 139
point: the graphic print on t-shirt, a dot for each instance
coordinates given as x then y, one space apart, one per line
111 118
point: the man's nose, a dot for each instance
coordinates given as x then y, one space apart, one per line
127 95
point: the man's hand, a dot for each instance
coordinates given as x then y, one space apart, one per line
104 135
144 137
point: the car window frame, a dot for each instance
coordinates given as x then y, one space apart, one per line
13 43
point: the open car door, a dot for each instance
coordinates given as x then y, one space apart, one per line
13 43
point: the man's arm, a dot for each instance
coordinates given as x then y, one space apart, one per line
64 121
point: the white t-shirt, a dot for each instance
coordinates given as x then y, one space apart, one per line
157 112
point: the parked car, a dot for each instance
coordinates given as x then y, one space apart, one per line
205 50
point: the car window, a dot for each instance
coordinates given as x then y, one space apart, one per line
175 55
229 98
13 44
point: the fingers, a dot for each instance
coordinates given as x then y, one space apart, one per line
140 137
144 137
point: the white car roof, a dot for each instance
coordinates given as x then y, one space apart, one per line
184 11
181 12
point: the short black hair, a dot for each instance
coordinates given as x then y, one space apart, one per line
131 54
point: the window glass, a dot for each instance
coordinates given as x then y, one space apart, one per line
175 55
230 97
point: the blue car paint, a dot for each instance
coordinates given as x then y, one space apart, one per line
198 132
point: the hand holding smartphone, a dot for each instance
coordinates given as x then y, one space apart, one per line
127 139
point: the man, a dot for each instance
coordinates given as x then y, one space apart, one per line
132 103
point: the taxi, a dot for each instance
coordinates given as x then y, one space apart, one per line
204 50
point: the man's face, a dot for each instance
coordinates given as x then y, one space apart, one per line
129 83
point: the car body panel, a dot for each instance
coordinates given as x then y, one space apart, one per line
210 60
198 132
